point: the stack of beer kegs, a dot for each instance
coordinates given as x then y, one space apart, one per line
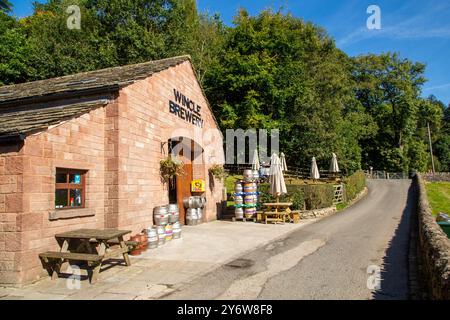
194 209
246 196
166 221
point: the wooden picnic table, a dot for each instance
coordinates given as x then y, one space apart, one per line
276 211
92 245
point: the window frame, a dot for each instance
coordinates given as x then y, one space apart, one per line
71 186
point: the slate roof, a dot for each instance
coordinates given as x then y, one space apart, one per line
104 78
17 125
17 120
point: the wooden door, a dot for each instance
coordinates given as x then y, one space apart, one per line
184 189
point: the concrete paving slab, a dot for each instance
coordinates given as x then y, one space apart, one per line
115 296
158 272
154 292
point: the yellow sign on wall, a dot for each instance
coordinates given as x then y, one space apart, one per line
198 185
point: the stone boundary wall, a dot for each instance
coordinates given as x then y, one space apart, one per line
439 176
433 249
321 213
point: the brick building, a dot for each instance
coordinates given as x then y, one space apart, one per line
83 151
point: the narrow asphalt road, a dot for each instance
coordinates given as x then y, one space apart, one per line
328 259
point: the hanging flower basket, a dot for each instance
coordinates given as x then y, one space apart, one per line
218 172
170 168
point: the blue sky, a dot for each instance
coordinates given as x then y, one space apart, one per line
417 29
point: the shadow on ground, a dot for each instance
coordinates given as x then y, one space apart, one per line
395 268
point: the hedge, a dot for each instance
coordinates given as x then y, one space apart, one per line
354 184
315 196
309 197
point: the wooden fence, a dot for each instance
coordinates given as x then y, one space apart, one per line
386 175
292 173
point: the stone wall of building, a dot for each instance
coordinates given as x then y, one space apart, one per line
120 147
11 204
29 191
145 126
433 249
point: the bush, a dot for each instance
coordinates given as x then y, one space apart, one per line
354 184
309 197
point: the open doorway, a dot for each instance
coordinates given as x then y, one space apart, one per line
188 151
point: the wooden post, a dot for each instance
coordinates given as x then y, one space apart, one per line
431 147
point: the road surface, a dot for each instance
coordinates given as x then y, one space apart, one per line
328 259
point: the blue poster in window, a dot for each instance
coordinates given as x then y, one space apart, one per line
77 179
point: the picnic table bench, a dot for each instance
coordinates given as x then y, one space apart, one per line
93 246
276 212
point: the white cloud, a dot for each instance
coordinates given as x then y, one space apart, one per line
395 33
401 25
442 86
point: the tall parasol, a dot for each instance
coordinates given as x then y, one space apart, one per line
276 180
314 174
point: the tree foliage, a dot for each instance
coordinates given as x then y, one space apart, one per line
269 71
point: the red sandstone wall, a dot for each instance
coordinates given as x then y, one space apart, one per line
145 122
120 146
11 204
25 224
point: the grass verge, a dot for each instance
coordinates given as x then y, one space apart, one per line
439 196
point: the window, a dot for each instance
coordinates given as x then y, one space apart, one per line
70 189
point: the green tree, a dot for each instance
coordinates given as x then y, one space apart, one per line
55 50
5 6
277 71
13 51
442 150
389 89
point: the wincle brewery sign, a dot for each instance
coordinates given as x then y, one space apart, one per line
186 109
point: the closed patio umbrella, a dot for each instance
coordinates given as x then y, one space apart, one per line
276 180
283 162
314 174
255 162
334 167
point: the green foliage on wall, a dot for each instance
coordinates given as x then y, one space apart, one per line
354 184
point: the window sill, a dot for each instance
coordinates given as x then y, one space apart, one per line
71 213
